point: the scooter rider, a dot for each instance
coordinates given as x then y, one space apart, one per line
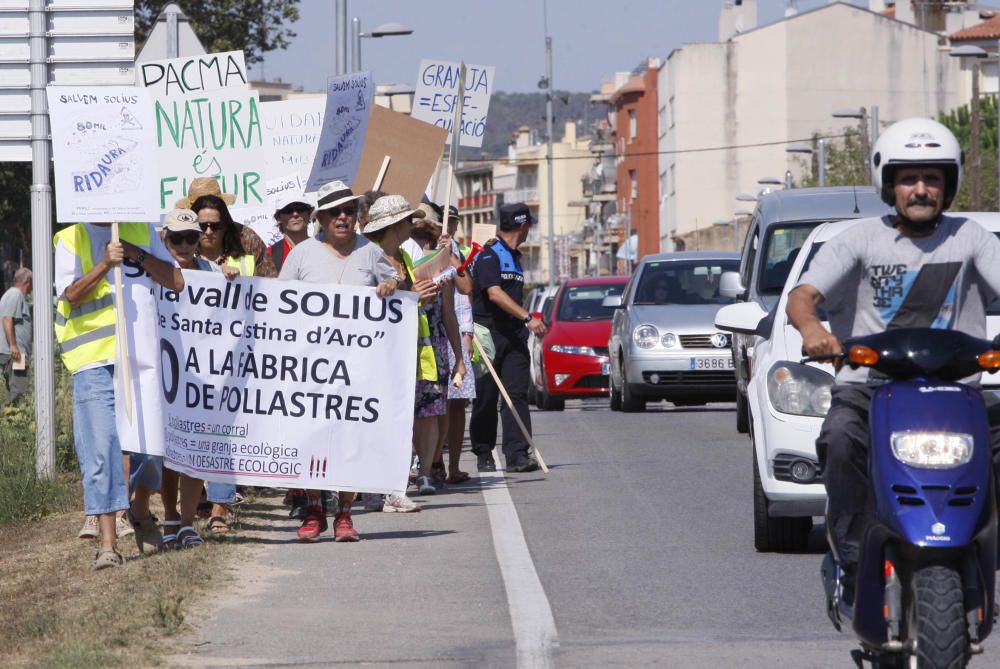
916 268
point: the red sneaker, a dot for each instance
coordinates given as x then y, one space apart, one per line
313 525
343 528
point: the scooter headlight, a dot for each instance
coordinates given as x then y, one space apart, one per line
799 389
932 450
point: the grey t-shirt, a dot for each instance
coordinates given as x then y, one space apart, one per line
314 262
874 278
14 305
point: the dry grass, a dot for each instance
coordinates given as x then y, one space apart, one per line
56 612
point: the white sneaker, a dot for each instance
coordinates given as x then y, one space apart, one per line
373 502
399 504
123 528
90 529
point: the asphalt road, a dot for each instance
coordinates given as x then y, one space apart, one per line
641 540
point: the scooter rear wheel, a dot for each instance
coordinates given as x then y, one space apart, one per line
937 618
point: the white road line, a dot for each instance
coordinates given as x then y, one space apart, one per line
530 613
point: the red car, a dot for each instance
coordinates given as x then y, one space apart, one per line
571 361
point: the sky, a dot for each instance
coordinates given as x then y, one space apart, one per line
591 39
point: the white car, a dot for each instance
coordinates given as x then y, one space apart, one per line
538 300
787 402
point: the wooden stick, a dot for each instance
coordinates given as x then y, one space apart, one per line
381 173
121 332
436 180
510 404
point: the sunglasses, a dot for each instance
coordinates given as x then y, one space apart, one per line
301 211
178 238
215 226
335 212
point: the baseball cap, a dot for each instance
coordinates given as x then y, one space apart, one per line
513 216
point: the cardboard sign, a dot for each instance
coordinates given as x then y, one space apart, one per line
193 75
291 134
414 147
105 153
437 95
483 232
345 126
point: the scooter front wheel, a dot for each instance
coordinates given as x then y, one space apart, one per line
937 616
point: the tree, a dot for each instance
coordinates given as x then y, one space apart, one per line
251 26
959 121
844 160
15 217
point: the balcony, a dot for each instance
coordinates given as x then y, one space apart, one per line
526 195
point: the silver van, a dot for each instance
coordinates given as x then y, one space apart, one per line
780 224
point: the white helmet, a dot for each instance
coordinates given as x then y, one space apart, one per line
916 141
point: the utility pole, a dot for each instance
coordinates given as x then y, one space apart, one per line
341 38
977 190
41 245
550 214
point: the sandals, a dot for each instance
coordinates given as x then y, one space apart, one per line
170 537
217 525
187 537
425 486
457 477
105 558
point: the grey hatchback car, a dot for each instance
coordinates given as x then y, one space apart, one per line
664 343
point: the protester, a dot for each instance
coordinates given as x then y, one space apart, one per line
343 257
498 291
390 221
85 329
181 234
292 216
15 344
228 244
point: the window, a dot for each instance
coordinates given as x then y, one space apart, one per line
632 125
780 250
584 303
683 282
673 179
634 179
670 111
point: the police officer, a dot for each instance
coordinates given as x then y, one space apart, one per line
497 293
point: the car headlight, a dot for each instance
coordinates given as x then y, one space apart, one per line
932 450
798 389
573 350
645 336
669 340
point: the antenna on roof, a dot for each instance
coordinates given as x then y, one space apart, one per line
857 210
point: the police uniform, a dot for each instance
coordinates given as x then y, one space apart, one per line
500 265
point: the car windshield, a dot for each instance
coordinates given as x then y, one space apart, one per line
780 250
583 303
683 282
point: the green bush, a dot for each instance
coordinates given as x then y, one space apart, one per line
22 493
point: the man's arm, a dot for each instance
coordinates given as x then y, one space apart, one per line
504 301
166 274
114 253
801 310
8 331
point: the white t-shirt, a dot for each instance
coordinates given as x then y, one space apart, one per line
68 267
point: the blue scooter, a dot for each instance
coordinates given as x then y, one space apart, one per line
924 594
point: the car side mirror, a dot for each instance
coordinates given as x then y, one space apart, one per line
612 301
740 318
731 286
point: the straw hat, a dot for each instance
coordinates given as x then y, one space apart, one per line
180 220
203 186
332 195
387 210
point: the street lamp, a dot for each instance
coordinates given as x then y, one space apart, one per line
975 54
862 115
770 181
383 30
746 197
820 158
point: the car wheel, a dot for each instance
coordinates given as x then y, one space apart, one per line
742 413
688 403
630 403
616 396
775 535
550 403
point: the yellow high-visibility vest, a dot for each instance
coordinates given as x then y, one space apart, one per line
86 332
246 264
426 361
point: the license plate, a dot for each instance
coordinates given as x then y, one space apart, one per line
711 363
606 369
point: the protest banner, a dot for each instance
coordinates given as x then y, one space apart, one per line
104 151
413 147
437 95
193 75
266 226
291 134
345 126
283 383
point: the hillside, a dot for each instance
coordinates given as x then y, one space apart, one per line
509 111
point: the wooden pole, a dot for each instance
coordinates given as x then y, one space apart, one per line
121 332
381 173
510 404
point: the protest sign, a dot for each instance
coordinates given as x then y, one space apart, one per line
283 383
413 146
437 94
433 264
291 134
104 151
193 75
345 126
483 232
